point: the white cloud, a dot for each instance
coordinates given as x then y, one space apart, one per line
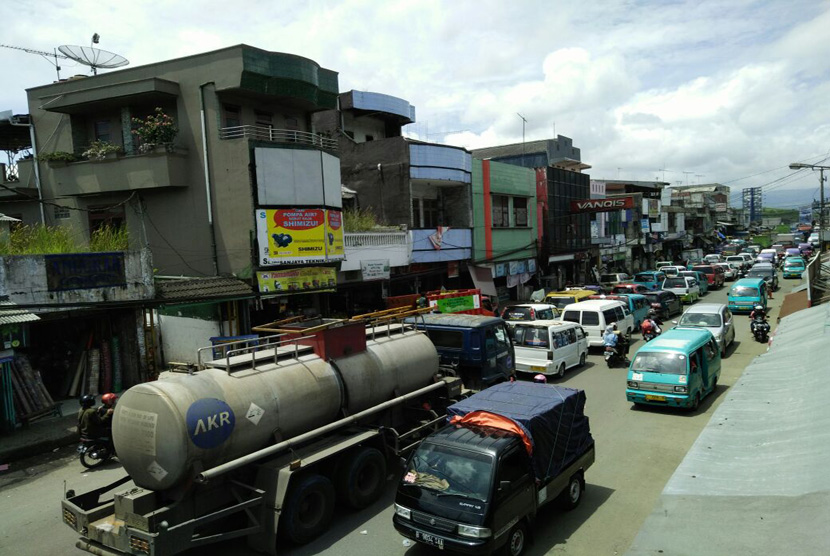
722 90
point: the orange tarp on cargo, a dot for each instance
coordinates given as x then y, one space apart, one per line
487 419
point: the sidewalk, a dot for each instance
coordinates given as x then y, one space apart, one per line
41 436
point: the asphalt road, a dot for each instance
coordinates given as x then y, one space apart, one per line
637 451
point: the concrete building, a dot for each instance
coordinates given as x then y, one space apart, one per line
565 252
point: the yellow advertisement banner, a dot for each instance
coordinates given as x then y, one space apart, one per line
290 236
297 280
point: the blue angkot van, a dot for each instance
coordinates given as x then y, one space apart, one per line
745 294
677 369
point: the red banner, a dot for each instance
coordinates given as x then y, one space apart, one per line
602 205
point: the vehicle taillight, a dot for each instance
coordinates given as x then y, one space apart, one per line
532 314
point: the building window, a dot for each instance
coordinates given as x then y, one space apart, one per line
520 212
501 211
425 213
370 138
100 217
232 115
102 130
61 213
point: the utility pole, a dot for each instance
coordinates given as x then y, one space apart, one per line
524 121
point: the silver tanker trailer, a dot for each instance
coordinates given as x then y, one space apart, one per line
263 442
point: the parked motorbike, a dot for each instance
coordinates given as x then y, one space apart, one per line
760 330
95 452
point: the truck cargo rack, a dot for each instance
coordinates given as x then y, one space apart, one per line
263 350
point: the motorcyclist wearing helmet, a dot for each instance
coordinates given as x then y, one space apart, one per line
649 325
758 313
610 338
540 379
95 422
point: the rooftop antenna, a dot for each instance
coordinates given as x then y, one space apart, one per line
687 176
46 55
524 121
93 57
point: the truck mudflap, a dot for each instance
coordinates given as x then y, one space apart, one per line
135 521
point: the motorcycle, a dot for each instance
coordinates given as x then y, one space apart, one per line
612 356
95 452
650 332
760 330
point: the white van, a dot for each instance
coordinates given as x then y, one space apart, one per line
549 347
595 314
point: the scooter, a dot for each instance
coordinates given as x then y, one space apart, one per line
760 330
649 333
95 452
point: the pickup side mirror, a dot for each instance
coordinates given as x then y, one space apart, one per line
504 486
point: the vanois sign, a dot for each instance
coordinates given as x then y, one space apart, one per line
602 205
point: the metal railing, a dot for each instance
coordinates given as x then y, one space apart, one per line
253 347
265 133
375 239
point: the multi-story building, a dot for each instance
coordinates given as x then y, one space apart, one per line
702 206
245 189
420 188
506 231
565 251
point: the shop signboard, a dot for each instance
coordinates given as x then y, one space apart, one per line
531 265
292 236
377 269
645 225
297 280
602 205
499 270
513 267
457 304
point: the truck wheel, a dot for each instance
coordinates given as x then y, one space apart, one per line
516 540
572 495
308 509
361 480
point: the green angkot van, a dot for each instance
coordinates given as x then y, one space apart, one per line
677 369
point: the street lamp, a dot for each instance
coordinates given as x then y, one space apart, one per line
821 169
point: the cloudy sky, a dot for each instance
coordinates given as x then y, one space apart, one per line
727 91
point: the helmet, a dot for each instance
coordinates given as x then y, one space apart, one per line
87 401
109 399
652 313
540 379
759 307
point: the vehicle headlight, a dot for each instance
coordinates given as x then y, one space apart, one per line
405 513
474 532
632 384
680 389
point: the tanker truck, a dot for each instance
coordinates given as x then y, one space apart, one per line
262 442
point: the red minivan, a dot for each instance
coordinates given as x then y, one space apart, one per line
714 275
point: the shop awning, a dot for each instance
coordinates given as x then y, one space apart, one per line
483 279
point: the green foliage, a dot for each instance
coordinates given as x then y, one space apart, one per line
109 238
57 156
98 150
359 220
156 129
50 240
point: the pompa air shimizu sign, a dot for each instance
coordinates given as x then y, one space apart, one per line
297 236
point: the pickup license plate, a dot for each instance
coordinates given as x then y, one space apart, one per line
650 398
536 368
431 540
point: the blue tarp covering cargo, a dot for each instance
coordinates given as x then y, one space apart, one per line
551 418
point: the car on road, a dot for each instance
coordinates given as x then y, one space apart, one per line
702 282
714 274
672 270
650 278
665 303
612 279
631 288
714 317
729 272
549 347
528 312
638 305
676 369
684 287
562 298
595 314
741 261
767 272
746 294
793 267
713 258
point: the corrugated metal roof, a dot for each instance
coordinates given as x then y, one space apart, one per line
10 314
756 480
198 289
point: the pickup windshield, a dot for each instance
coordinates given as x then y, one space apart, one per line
744 291
659 362
449 470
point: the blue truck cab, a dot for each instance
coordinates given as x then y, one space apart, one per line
677 369
746 293
479 346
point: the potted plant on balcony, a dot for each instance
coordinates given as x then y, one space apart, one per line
155 131
57 158
101 150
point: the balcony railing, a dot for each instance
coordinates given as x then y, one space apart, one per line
265 133
372 239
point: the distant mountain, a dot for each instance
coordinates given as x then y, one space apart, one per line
790 198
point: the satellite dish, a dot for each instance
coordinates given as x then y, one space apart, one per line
93 57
